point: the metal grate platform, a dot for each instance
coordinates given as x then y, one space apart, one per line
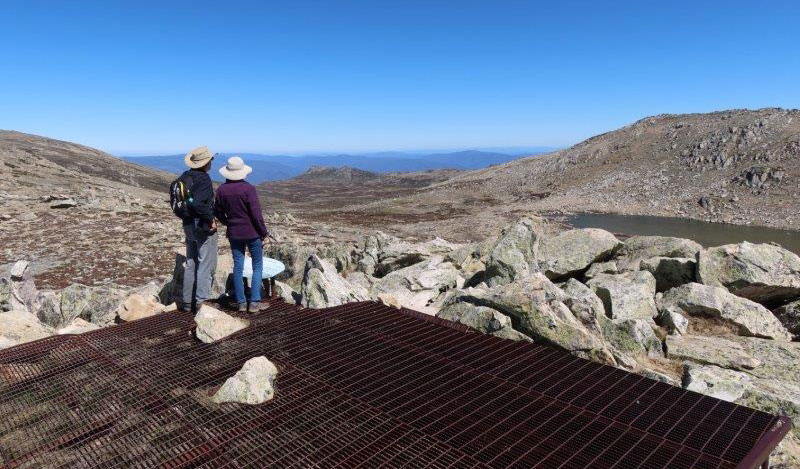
360 386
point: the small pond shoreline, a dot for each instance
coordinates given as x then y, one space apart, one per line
706 233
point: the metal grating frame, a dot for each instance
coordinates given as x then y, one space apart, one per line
360 386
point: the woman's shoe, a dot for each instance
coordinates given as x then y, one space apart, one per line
242 307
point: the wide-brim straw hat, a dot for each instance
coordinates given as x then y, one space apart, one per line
198 157
235 170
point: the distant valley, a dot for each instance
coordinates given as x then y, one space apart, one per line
280 167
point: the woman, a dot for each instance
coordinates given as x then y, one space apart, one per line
237 207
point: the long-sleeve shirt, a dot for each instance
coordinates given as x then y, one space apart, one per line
237 207
202 206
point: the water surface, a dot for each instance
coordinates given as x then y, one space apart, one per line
706 233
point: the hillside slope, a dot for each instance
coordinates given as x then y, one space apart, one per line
737 166
82 215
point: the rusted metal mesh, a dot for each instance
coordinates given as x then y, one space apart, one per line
360 385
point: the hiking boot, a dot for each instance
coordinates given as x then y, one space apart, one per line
242 307
259 306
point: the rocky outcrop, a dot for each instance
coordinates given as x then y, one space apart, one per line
17 327
748 317
514 254
573 251
213 325
789 316
646 247
717 382
323 286
765 273
482 319
626 296
705 350
78 326
419 286
537 309
286 293
253 384
670 272
139 307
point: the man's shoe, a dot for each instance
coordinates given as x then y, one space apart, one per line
259 306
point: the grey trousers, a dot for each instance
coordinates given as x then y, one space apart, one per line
201 263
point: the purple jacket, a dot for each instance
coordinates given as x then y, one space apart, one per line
237 207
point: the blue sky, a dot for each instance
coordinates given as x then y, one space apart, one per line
298 76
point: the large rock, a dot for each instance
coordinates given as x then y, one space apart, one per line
137 307
572 252
482 319
18 292
102 305
48 309
213 325
670 272
536 306
323 286
710 351
253 384
764 273
420 285
716 382
17 327
286 293
748 317
293 256
514 254
645 247
78 326
626 296
789 316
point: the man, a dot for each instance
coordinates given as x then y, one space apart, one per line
200 229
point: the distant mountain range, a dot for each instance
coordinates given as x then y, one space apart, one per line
279 167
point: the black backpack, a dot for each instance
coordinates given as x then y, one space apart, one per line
180 196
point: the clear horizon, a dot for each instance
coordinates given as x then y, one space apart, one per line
159 78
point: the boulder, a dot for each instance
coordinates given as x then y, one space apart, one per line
536 306
765 273
137 307
670 272
716 382
294 256
626 296
673 321
20 271
514 254
17 327
608 267
102 305
286 293
778 360
63 203
584 304
78 326
646 247
710 351
213 325
75 299
482 319
789 316
323 286
748 317
48 310
419 286
571 252
253 384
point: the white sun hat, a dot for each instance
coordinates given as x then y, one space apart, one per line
198 157
235 170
